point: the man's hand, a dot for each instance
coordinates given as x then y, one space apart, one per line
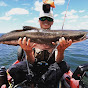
63 44
25 45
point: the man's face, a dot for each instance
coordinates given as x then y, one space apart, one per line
45 24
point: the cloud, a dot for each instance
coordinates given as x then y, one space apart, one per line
59 2
72 17
5 18
73 20
86 16
17 11
81 11
30 21
83 25
38 6
70 14
55 15
35 20
57 21
2 3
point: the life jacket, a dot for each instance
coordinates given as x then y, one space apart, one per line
44 55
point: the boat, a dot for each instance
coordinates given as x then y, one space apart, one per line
68 80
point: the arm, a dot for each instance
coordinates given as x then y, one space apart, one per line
63 44
25 45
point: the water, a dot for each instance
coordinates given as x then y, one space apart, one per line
75 55
8 54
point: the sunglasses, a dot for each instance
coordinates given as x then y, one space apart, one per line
46 18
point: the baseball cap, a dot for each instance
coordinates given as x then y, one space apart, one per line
50 14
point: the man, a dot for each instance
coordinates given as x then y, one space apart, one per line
44 76
46 21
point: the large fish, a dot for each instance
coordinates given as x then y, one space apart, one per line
42 38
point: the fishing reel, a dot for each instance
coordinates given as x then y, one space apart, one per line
46 8
80 72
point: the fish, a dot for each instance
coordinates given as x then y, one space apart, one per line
42 38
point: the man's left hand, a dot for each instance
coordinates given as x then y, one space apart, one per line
63 44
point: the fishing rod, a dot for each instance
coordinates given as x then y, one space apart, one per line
62 29
65 15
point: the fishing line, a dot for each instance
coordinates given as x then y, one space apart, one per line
53 51
28 69
65 15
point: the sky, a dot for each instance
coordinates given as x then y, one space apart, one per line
14 14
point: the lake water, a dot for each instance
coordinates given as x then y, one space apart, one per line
75 55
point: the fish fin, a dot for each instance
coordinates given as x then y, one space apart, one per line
29 28
25 28
16 31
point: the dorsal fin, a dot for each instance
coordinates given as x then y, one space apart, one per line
25 28
29 28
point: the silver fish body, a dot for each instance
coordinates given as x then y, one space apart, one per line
42 38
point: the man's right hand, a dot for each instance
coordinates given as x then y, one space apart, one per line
27 47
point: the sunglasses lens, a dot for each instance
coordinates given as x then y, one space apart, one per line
46 18
50 19
42 18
